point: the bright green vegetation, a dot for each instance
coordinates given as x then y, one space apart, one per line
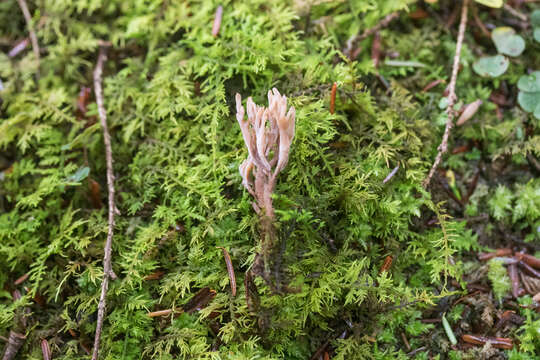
169 89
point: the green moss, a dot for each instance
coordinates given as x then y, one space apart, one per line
169 90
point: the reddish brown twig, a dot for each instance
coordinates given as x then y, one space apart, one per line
528 259
156 275
496 342
432 84
529 270
107 268
333 98
386 264
217 21
15 342
21 279
95 193
45 349
230 269
443 147
496 253
514 279
28 19
376 49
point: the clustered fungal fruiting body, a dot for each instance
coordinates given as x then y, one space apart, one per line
268 134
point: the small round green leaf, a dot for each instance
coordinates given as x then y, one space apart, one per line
536 34
491 3
507 42
535 18
529 83
537 112
491 66
443 103
529 100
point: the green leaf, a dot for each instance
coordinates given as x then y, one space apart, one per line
529 100
529 83
491 66
537 112
80 175
536 34
507 42
443 103
491 3
535 18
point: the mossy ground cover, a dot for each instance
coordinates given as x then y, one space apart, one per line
169 90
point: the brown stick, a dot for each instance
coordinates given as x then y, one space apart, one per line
15 342
107 268
230 269
333 98
28 19
21 279
46 349
160 313
496 342
217 21
359 37
521 16
443 147
514 279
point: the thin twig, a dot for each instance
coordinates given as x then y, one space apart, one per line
368 32
230 269
443 147
28 19
217 21
516 13
107 268
15 341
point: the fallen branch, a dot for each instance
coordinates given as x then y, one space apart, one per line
443 147
28 19
107 268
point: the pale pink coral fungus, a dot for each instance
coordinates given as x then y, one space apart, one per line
268 134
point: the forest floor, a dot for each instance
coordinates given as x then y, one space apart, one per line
403 220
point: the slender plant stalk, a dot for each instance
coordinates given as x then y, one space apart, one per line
368 32
107 268
443 147
28 19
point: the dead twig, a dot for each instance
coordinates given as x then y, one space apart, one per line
521 16
46 350
443 147
21 279
391 174
107 268
230 269
333 98
217 21
15 342
351 43
28 19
